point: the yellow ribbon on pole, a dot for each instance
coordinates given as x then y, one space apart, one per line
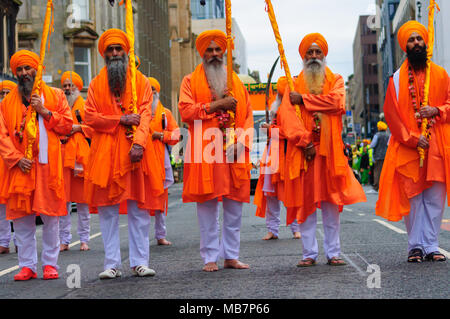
426 90
231 139
31 127
284 64
129 26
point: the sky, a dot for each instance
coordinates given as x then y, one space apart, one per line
336 20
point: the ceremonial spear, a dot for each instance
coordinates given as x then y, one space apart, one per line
31 127
426 90
284 64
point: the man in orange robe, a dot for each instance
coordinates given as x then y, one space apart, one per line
75 148
407 190
36 185
210 173
165 131
120 167
317 173
5 227
270 188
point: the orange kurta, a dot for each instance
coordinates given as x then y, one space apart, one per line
328 177
41 190
273 164
110 177
76 150
171 137
206 179
402 177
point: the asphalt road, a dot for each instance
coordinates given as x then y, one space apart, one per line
365 240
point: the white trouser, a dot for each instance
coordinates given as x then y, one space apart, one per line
331 228
5 227
273 213
25 230
424 220
160 225
211 248
138 235
65 224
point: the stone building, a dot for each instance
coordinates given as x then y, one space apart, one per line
8 35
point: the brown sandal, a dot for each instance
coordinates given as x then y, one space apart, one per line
308 262
336 261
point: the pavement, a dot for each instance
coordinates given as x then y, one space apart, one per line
375 251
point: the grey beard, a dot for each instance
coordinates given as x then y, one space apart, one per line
26 87
117 73
72 97
216 76
155 102
274 108
314 74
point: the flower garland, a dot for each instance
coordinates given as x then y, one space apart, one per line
20 129
129 132
416 102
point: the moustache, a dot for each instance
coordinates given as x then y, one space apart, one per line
214 59
314 62
24 78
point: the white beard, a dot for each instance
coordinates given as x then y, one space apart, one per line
72 98
155 102
216 75
315 75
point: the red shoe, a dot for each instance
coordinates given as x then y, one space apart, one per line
25 274
50 272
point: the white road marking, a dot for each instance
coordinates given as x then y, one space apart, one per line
444 252
348 209
9 270
396 229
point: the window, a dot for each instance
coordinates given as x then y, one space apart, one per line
83 64
81 10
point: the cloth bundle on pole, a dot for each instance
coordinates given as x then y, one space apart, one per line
231 138
31 127
426 91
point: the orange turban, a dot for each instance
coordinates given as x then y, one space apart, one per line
7 85
76 79
309 40
404 33
382 126
154 83
113 36
22 58
281 85
205 38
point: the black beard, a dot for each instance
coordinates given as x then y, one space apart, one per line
25 87
417 59
117 73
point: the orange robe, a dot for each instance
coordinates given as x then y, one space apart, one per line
76 150
328 177
41 190
205 180
171 137
110 177
402 177
274 162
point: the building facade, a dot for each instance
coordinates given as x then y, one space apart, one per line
8 35
77 26
365 66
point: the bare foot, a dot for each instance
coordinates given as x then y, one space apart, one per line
297 235
4 250
210 267
270 236
84 247
235 264
164 242
63 247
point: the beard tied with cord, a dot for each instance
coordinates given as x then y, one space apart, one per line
117 73
216 75
155 102
314 75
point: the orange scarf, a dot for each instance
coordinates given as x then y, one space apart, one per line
203 183
21 184
77 147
